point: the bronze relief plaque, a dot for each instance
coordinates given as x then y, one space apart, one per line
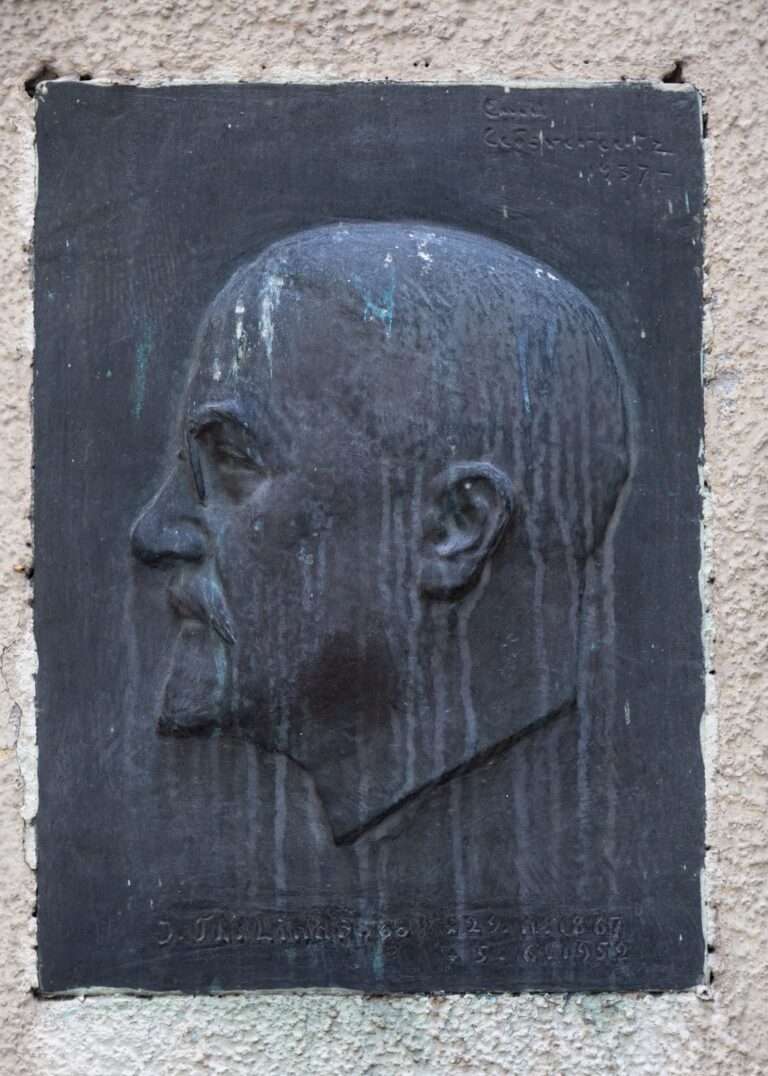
367 537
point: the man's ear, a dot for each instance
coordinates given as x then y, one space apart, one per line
466 512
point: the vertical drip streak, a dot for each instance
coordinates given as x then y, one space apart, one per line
465 654
531 511
412 694
588 635
362 851
384 586
281 768
608 693
281 764
562 496
522 824
439 683
585 721
457 858
522 358
381 907
400 557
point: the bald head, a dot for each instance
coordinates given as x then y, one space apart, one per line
425 346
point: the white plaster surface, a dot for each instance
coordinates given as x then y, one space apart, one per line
722 44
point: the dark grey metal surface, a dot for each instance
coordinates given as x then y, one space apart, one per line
367 423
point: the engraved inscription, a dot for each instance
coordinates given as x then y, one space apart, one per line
480 936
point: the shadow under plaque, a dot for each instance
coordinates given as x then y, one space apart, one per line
367 424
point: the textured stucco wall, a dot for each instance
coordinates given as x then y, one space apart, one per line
722 45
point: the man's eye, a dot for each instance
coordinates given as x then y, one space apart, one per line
232 460
232 457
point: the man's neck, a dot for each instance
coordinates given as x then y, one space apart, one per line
366 787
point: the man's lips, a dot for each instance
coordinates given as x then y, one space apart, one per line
202 600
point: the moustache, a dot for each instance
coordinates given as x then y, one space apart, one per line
200 597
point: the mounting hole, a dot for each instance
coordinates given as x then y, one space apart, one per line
46 73
675 74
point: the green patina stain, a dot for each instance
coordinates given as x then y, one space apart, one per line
379 306
307 559
143 354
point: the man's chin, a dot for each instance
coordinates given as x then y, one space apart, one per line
196 692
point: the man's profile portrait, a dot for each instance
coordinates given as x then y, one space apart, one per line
399 448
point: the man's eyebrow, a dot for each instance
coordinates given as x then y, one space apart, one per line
211 414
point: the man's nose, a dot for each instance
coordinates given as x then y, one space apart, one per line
169 528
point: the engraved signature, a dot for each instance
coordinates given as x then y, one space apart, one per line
600 153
